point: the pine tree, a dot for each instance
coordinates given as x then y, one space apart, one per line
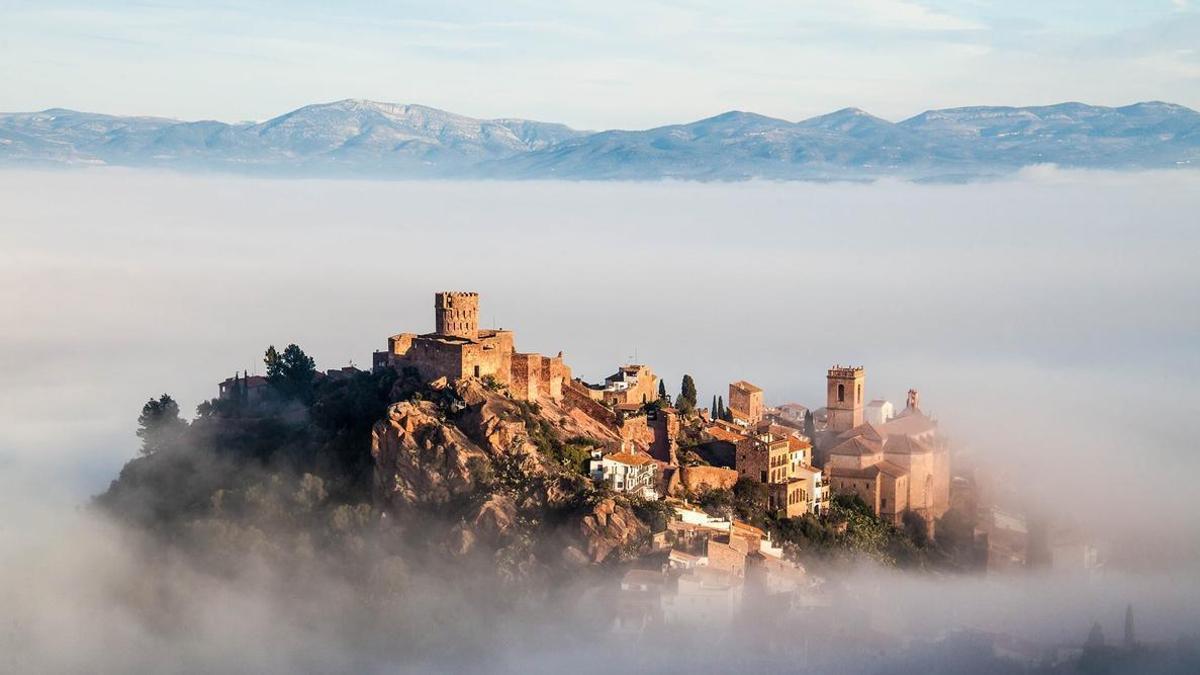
662 393
291 373
159 425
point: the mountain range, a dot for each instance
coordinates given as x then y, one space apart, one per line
366 138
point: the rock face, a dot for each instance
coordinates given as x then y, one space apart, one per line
611 529
420 460
472 454
495 518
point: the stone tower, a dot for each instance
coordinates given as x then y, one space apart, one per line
844 397
457 313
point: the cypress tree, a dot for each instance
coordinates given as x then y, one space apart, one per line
687 395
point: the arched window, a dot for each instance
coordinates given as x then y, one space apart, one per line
841 393
859 399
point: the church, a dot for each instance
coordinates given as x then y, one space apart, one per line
901 464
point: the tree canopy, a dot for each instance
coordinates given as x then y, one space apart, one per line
159 425
687 395
291 373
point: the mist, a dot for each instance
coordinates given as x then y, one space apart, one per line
1048 321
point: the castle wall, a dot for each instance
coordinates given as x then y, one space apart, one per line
576 395
432 358
698 478
554 374
526 376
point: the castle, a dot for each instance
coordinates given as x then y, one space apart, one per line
458 348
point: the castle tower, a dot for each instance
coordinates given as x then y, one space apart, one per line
844 397
457 313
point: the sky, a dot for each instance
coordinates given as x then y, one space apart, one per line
594 65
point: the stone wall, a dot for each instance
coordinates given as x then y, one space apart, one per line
576 395
699 478
526 376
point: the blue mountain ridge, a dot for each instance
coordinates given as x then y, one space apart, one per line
366 138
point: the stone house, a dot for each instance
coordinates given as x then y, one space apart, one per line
631 384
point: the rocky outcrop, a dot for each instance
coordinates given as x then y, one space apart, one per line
473 449
495 519
612 529
491 420
421 460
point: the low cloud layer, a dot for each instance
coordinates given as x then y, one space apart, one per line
1048 322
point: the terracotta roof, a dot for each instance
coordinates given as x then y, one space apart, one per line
857 446
865 429
684 556
907 445
885 467
721 434
747 527
893 470
797 444
912 424
630 458
249 380
745 386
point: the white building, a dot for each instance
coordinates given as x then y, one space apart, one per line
625 472
878 411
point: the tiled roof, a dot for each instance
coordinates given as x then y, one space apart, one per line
857 446
748 528
630 458
797 444
721 434
911 424
885 467
907 445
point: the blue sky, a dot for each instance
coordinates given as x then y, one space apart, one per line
594 65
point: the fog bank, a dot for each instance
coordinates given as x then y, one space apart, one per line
1049 322
1046 320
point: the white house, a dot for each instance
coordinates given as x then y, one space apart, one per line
625 472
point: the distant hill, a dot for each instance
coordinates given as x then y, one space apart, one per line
367 138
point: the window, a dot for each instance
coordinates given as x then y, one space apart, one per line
841 393
476 371
859 399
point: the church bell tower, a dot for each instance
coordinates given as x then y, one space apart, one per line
844 397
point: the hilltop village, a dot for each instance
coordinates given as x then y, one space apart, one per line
703 506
